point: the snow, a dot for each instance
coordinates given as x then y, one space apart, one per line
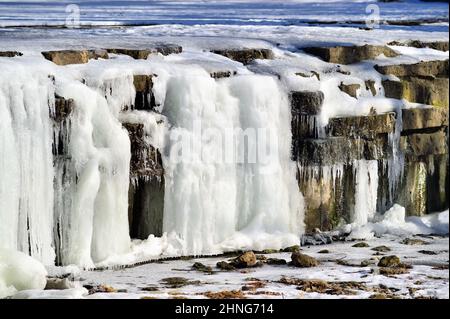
20 272
424 279
395 222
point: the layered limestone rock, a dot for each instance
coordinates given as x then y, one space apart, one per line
350 54
65 57
436 45
424 82
246 56
142 54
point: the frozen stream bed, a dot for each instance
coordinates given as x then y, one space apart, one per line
339 275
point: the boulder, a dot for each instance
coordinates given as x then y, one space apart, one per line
303 261
246 56
350 89
350 54
307 102
389 261
424 118
246 260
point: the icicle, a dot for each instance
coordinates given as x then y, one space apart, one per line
366 188
26 172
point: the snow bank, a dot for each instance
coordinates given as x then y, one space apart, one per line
20 272
395 222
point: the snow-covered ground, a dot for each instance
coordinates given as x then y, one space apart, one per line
341 266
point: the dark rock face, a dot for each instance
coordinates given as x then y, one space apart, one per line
65 57
362 126
142 54
146 193
10 54
246 56
145 100
307 102
350 54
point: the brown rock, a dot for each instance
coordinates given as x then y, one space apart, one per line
246 260
350 89
422 69
423 118
246 56
389 261
303 261
437 45
350 54
422 144
370 85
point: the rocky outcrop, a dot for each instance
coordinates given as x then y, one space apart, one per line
65 57
429 69
424 82
437 45
350 54
142 54
424 118
246 56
